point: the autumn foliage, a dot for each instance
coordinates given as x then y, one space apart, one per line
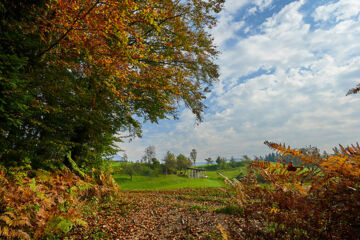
75 78
147 51
321 200
35 204
76 73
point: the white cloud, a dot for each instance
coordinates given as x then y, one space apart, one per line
226 26
252 10
232 6
226 29
341 10
259 6
301 101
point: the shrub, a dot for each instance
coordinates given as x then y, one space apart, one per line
321 202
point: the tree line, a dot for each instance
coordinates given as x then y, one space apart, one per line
149 165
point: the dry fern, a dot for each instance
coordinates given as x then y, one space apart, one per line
319 200
11 226
354 90
29 204
241 196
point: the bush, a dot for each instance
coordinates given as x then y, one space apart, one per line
321 202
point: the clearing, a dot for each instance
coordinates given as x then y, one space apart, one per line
163 182
167 207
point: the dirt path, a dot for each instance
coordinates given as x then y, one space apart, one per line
180 214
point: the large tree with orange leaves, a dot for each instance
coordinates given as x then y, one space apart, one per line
101 66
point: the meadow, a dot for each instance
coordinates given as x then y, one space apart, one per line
173 181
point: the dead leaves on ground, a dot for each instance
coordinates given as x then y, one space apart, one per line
177 214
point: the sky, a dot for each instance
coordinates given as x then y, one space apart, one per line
285 68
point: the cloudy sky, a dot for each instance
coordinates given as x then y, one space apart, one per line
285 68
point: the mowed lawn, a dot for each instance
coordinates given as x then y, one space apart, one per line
175 181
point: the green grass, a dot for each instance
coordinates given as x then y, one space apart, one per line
175 181
231 209
164 182
232 172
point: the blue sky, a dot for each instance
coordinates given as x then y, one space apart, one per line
285 68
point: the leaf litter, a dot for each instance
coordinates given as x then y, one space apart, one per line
166 214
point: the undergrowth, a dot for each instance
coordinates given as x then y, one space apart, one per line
320 200
38 204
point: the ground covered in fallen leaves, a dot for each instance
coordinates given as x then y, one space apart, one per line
170 214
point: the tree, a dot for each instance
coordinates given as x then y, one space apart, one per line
76 73
155 163
129 169
232 161
149 154
18 46
246 158
193 154
170 162
271 157
221 162
209 160
182 162
125 158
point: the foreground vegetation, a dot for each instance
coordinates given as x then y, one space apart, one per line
36 203
319 203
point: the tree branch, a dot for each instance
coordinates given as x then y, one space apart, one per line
70 29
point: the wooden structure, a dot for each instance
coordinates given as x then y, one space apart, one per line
196 173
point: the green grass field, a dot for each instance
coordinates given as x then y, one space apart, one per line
175 181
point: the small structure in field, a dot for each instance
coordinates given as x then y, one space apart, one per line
196 173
